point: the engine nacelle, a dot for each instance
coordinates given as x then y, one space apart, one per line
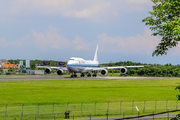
60 72
104 72
47 70
123 70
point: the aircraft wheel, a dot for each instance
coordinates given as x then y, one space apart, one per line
94 75
75 75
72 76
82 75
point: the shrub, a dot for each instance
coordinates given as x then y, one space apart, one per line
8 73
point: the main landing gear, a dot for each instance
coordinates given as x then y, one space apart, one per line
94 75
74 75
82 75
89 75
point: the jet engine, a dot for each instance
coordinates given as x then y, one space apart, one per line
47 70
123 70
60 72
104 72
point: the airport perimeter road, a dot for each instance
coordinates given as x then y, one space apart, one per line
18 77
114 118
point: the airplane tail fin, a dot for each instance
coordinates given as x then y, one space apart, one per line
96 54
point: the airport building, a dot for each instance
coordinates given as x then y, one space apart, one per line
33 72
6 64
4 61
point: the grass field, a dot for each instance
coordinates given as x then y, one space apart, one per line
30 93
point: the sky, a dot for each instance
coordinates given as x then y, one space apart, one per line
60 29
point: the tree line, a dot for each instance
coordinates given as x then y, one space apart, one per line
157 70
167 70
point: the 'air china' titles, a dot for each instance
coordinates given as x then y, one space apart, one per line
81 62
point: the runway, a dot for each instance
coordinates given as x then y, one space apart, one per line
18 77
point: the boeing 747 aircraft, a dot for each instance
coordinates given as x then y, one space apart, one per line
85 67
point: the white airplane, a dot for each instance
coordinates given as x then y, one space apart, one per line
85 67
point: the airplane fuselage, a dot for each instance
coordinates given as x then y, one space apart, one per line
78 65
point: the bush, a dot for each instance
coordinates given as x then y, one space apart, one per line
176 118
170 75
178 96
8 73
10 70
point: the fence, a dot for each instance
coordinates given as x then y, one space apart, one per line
56 110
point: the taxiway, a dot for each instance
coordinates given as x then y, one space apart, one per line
16 78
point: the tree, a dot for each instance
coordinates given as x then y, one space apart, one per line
165 22
178 88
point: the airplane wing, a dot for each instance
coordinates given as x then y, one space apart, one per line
51 67
103 70
120 67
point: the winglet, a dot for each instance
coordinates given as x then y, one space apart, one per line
96 54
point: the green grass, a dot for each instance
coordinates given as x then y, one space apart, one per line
60 92
89 91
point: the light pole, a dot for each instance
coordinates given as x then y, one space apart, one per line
53 109
38 110
6 112
167 103
177 105
120 106
22 112
95 108
68 105
144 106
132 106
108 108
82 108
156 105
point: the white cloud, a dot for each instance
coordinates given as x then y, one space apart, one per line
50 39
80 44
87 9
45 41
144 44
138 44
53 40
